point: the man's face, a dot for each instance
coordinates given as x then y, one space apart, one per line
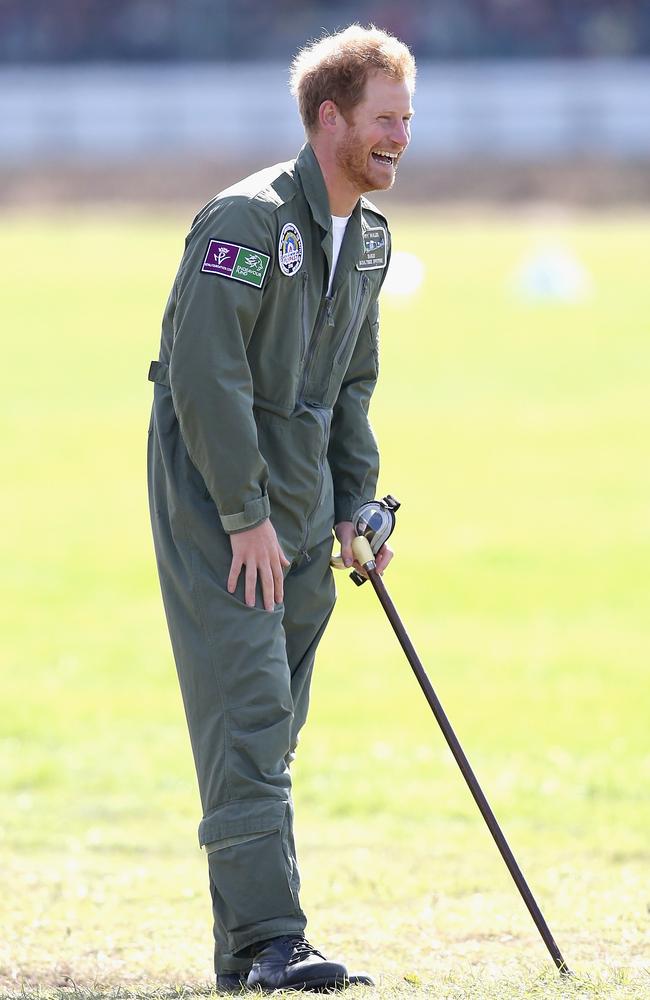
376 134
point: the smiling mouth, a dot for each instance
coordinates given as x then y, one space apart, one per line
383 156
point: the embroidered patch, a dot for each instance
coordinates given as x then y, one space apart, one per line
234 261
290 249
374 249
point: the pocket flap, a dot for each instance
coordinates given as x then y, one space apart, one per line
243 816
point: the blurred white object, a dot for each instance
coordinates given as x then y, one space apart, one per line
405 274
526 109
552 274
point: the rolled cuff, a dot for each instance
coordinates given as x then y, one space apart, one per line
254 512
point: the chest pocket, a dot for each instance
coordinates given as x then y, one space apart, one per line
359 305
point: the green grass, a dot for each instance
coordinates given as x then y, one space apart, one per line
516 437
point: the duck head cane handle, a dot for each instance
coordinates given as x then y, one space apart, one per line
374 521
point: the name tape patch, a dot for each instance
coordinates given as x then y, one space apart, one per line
231 260
374 249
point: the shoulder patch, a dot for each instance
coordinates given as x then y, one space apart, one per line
231 260
290 249
374 249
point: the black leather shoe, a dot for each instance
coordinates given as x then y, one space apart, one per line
290 963
231 982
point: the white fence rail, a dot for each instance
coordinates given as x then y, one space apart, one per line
496 110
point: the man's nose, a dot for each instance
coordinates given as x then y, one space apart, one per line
402 133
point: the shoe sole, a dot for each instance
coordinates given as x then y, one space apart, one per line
311 986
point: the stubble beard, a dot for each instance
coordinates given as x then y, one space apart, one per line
353 162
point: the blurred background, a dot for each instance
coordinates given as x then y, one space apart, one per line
136 99
76 31
513 418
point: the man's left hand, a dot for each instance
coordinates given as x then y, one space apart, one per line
344 531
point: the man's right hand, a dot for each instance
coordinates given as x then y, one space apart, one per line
259 550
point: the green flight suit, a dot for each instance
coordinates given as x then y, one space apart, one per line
260 409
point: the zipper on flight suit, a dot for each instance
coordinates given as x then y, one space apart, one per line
362 288
320 413
304 317
326 318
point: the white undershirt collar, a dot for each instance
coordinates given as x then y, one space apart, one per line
339 222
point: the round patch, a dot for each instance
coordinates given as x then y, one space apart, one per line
290 250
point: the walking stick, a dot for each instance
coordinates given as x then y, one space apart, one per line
365 556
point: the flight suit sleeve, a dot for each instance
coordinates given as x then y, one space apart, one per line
209 375
353 454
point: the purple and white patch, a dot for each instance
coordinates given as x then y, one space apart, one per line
220 258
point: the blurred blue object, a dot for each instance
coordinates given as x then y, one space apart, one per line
552 273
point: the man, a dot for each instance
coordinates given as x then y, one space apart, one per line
259 446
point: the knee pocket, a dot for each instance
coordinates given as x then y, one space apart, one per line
250 864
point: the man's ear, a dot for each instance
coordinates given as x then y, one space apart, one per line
328 116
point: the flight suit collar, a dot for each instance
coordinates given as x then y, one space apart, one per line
313 185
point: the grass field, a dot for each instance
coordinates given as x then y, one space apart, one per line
516 435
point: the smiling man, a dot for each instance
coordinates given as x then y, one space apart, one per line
259 449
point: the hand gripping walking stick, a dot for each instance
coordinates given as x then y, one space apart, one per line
373 523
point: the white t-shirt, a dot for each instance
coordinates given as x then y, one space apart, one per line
339 222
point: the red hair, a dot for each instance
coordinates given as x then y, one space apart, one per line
337 67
